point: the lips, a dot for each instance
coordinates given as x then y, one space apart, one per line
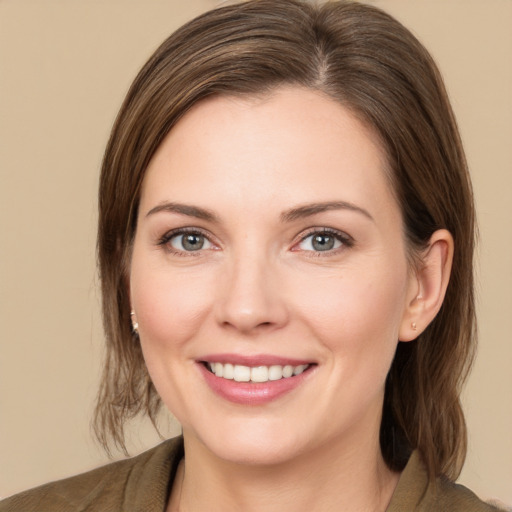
253 380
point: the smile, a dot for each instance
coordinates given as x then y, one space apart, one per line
256 374
254 379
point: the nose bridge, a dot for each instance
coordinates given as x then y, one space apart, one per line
251 296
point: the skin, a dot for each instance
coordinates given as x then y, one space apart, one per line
258 286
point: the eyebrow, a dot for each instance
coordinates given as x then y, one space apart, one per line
184 209
310 209
299 212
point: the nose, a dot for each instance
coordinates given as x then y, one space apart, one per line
251 297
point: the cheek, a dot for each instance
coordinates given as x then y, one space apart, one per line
170 305
358 312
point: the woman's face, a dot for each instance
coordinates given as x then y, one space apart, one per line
269 242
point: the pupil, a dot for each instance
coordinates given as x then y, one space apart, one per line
193 242
323 242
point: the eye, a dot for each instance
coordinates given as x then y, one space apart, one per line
323 241
187 241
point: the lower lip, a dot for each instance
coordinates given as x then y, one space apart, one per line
248 393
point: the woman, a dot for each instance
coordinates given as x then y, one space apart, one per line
285 245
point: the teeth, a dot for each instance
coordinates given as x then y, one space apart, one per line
287 371
219 370
259 374
275 372
229 371
241 373
299 369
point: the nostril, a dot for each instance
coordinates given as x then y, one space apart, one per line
249 308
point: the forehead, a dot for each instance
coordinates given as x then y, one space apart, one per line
294 145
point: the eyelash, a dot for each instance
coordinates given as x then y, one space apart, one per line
165 241
345 240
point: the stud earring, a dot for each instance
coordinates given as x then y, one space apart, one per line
414 326
135 324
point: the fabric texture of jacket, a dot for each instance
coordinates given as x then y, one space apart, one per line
143 484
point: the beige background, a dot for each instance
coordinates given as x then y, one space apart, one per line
64 68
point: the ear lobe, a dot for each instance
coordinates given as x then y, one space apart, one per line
428 286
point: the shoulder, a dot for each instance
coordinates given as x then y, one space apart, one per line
142 482
455 497
415 493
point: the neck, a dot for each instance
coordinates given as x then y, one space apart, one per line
332 477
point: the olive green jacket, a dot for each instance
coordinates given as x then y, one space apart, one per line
143 483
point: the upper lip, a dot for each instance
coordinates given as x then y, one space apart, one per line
253 360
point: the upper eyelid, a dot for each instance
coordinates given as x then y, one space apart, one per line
187 229
166 237
311 231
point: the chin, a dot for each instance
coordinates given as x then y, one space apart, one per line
255 452
254 444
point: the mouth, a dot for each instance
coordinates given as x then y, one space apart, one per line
255 374
254 380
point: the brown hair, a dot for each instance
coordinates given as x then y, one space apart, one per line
367 61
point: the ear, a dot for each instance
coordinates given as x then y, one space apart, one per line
427 285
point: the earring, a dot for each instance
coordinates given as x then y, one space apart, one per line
414 326
135 324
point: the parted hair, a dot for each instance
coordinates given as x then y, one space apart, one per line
367 61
